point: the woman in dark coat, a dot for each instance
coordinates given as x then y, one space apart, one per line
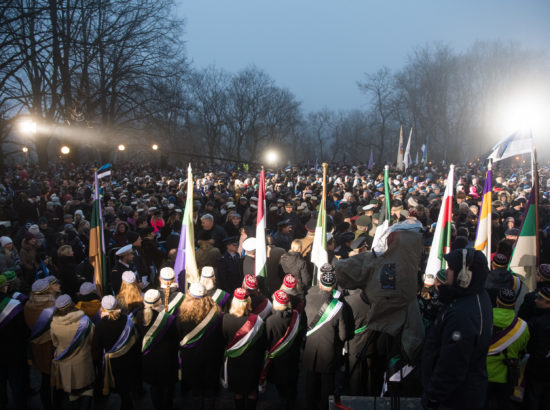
201 343
126 366
244 368
66 271
160 353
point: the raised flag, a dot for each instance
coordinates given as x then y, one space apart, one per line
260 267
416 160
425 150
387 198
319 254
525 255
520 142
483 234
371 160
185 266
96 253
407 157
441 243
399 164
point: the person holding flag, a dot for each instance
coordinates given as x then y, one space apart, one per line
319 254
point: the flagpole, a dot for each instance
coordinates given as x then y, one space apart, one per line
535 186
490 222
318 252
387 190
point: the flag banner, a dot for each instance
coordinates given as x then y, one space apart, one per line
399 164
96 253
319 254
387 198
425 150
483 234
185 265
371 160
407 157
260 266
441 243
525 255
104 171
520 142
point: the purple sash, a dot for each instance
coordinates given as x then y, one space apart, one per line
9 308
42 324
82 331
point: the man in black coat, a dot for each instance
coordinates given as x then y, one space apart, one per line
216 231
454 359
124 263
499 277
528 308
230 268
293 263
328 328
281 238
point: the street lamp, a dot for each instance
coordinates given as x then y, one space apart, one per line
121 147
155 147
65 150
271 157
27 127
26 152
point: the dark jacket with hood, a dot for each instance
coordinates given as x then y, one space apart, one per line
454 359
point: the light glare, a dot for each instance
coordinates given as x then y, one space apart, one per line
65 150
271 157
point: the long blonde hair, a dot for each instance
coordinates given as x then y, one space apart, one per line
240 308
195 309
148 311
129 297
167 283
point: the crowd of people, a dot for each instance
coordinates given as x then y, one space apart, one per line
487 337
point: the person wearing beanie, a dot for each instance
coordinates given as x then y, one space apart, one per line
170 295
38 313
243 366
261 305
528 308
327 330
283 332
129 297
499 276
289 287
293 263
13 342
88 301
72 368
116 338
159 349
537 377
454 357
220 296
199 324
9 257
510 337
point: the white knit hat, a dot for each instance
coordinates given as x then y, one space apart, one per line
63 301
167 273
207 272
197 290
128 276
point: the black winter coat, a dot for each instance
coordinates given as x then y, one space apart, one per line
230 273
293 263
322 352
283 370
243 371
539 363
160 364
454 359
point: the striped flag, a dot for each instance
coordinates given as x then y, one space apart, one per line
400 151
185 266
441 243
525 255
260 267
520 142
319 255
96 253
387 198
483 235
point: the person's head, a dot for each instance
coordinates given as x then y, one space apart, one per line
296 246
327 280
250 284
134 239
236 219
208 279
87 289
63 305
129 293
241 305
467 270
249 246
207 222
30 239
196 305
507 296
280 300
65 250
289 282
500 261
543 273
232 244
151 301
542 299
126 254
109 307
6 243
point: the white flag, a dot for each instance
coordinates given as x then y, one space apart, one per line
520 142
407 158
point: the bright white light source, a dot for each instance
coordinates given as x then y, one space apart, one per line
271 157
25 149
155 147
65 150
121 147
522 113
27 127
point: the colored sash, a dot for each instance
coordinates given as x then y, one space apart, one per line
280 347
360 330
506 337
263 309
175 303
156 331
42 326
332 309
122 346
336 294
245 337
220 297
9 308
193 338
19 296
83 330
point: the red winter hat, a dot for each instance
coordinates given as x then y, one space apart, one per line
280 297
240 294
289 281
250 282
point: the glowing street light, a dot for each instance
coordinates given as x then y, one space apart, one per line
155 147
65 150
271 157
121 147
25 149
27 127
